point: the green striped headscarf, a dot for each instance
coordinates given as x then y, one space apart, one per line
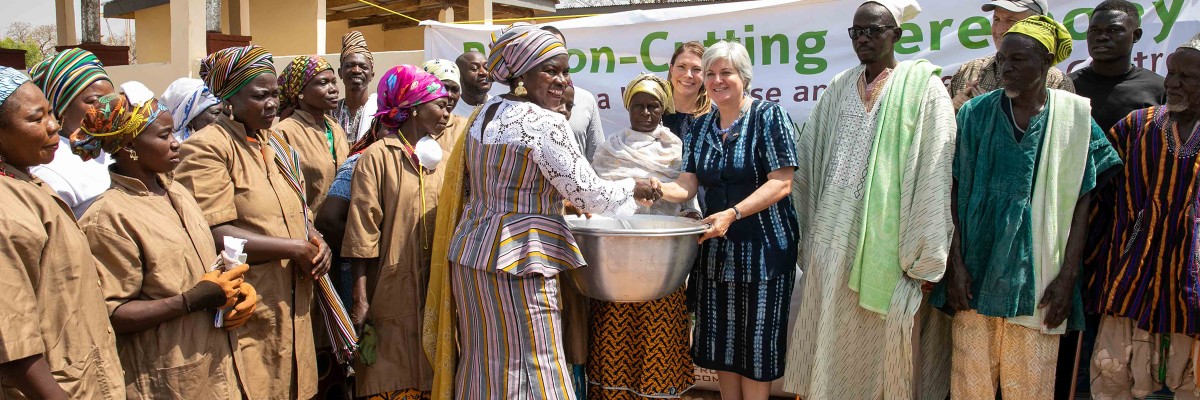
65 75
228 70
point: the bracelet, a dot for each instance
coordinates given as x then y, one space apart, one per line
737 214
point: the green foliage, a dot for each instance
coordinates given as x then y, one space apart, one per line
33 54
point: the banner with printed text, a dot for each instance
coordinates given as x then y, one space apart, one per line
797 46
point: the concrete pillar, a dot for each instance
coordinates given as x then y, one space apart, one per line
320 27
480 10
213 16
89 13
64 21
188 38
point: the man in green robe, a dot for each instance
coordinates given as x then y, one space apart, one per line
1028 158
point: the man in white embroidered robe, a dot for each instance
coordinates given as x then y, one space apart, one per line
872 192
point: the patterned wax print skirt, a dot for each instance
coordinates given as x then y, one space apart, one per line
640 349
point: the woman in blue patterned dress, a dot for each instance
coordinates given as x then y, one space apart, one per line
743 155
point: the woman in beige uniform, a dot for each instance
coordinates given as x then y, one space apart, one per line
233 167
55 341
155 250
308 89
390 230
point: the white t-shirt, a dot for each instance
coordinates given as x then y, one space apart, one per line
77 182
463 109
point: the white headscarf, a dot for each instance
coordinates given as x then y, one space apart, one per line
902 10
187 98
1193 44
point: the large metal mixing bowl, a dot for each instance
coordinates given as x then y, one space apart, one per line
636 258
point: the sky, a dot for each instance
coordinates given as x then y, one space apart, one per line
39 12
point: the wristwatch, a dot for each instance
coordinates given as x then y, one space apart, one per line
737 214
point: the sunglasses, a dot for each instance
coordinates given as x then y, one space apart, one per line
872 32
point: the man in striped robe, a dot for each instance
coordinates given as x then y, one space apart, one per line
1146 286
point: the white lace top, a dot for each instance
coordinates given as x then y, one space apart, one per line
554 149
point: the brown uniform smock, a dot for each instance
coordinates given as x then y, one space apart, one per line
153 248
307 136
52 301
384 223
236 181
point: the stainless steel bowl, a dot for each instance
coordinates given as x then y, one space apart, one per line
636 258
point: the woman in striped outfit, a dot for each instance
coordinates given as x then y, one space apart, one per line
512 242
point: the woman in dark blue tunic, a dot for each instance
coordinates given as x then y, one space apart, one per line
743 155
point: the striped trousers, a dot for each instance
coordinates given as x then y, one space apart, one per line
510 335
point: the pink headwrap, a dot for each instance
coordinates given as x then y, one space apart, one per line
402 88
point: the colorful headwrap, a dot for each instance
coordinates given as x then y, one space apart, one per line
353 42
445 70
297 74
115 120
1048 32
1193 44
518 48
653 85
65 75
402 88
228 70
10 80
186 98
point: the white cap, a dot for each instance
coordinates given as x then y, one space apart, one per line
902 10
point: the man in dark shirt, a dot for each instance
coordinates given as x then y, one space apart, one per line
1115 86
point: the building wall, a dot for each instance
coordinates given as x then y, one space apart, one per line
373 33
152 28
288 26
405 39
384 60
157 76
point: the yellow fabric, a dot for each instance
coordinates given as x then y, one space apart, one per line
438 335
653 85
991 354
1048 32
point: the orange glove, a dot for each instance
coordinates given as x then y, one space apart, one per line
230 282
244 309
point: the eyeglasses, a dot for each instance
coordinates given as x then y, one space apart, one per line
872 32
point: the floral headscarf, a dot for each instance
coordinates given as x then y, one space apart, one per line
297 74
402 88
112 123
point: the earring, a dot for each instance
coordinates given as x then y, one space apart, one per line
520 90
301 96
132 154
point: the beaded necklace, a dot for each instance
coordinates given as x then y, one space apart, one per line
1175 143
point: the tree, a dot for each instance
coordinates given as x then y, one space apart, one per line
33 55
43 37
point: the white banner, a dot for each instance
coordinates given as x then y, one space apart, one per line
797 46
